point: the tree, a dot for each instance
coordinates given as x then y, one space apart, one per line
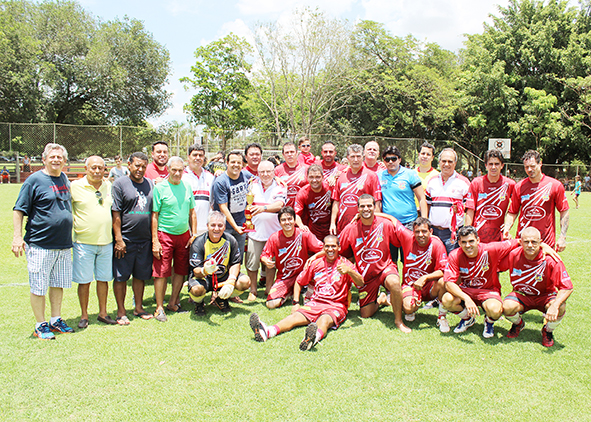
220 77
303 70
73 68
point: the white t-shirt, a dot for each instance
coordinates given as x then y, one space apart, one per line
266 223
201 186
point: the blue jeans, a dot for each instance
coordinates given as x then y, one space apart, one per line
445 236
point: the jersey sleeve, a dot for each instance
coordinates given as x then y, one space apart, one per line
25 199
561 201
414 180
452 270
515 200
156 200
220 191
270 249
439 254
560 276
376 187
472 195
300 202
116 194
196 258
305 276
346 244
314 245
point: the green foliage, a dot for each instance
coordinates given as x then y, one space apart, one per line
220 78
65 66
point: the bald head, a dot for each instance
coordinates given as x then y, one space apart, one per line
95 170
531 242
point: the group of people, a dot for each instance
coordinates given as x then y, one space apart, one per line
311 227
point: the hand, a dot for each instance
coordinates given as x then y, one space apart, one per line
304 228
551 252
332 180
295 308
355 218
157 249
209 267
255 209
333 229
560 244
218 172
120 249
18 247
190 241
239 230
506 235
552 313
226 291
269 263
420 283
471 307
343 268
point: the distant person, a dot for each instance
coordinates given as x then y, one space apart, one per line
305 157
118 171
217 163
577 190
46 201
26 163
535 199
5 175
253 154
157 170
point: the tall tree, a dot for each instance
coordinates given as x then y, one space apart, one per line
220 78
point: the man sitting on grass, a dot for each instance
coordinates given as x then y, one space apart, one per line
332 276
215 266
539 282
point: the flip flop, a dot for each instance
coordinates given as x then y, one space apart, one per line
177 310
143 315
123 320
107 320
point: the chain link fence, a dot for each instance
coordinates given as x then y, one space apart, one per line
20 139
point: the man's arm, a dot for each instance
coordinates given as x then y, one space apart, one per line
18 244
193 227
420 283
333 217
564 221
509 220
420 195
301 224
119 248
224 209
469 217
554 308
345 268
156 246
378 206
232 275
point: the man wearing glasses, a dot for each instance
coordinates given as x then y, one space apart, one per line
93 238
305 157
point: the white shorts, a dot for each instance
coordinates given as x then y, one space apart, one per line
48 268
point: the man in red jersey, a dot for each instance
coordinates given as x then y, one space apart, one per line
332 276
351 184
157 169
368 240
287 250
313 204
371 153
539 282
472 280
537 197
291 172
425 259
488 199
331 170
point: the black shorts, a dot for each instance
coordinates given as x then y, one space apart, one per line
137 262
207 282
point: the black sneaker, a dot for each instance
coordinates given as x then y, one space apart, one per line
199 309
263 282
309 338
223 305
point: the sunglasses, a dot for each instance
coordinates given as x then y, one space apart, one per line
99 196
305 145
388 159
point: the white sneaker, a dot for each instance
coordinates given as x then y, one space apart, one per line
410 317
443 324
464 325
489 329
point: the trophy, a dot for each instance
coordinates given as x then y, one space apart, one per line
248 226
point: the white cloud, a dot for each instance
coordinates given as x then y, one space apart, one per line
440 21
182 7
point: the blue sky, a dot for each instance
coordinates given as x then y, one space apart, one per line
183 25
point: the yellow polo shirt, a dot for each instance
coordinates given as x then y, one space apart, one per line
93 224
425 177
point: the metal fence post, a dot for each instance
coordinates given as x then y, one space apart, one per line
121 142
10 136
54 134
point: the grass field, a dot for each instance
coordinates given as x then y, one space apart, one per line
211 368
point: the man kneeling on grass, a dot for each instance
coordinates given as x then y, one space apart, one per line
215 266
332 276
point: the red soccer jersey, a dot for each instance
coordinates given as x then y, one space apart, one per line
541 275
377 167
332 170
489 202
314 209
291 253
349 188
370 245
295 178
330 286
420 260
537 202
153 172
306 159
480 272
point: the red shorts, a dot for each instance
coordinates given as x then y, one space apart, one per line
409 291
368 294
481 295
282 288
173 248
314 310
528 302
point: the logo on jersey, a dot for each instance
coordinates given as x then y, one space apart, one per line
491 212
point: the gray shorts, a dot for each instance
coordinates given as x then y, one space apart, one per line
253 254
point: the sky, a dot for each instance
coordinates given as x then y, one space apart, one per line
183 25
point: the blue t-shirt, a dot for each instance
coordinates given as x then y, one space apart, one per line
47 203
233 194
398 197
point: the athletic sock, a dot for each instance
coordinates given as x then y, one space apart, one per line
514 319
38 324
273 331
489 320
442 311
54 319
319 335
463 314
551 326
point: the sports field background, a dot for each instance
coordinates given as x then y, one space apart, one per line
210 368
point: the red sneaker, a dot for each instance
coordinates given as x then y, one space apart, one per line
547 338
516 329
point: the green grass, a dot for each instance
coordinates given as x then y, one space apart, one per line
212 369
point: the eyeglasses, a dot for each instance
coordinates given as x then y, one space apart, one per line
393 159
305 145
99 196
